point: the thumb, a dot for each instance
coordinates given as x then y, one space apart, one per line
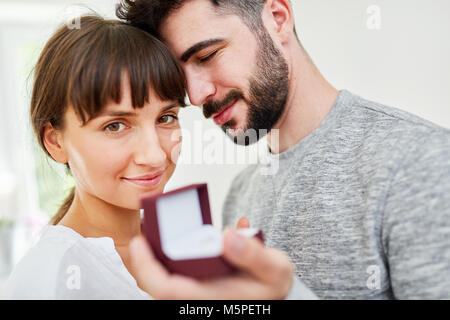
243 223
149 273
250 255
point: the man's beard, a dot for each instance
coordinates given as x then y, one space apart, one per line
267 96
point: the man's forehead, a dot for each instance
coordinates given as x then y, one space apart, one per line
195 22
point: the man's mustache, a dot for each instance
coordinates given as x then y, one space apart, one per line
211 107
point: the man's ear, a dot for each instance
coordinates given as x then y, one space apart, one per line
280 18
54 144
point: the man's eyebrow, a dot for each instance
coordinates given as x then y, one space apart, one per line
197 47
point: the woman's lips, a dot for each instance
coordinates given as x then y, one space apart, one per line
224 116
148 182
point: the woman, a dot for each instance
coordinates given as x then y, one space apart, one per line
105 102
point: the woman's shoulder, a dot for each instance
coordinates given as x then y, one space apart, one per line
34 275
65 265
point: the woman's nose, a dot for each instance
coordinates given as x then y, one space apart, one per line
149 151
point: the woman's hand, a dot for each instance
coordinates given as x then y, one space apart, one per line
243 223
264 273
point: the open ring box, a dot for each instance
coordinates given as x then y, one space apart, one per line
178 226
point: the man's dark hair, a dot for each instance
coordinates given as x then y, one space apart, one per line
148 15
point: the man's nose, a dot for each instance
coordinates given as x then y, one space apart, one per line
199 89
149 151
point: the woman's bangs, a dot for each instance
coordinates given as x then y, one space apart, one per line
120 50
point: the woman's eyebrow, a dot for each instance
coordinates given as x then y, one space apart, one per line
120 114
173 106
132 114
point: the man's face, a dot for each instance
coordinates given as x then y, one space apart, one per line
240 79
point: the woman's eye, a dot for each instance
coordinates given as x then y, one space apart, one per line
167 119
115 127
205 59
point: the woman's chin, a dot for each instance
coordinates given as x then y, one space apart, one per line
149 193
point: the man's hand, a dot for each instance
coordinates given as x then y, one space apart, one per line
263 273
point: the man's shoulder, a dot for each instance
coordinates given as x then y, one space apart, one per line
380 126
373 112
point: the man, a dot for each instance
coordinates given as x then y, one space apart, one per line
361 199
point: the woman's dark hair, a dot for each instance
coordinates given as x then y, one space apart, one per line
83 67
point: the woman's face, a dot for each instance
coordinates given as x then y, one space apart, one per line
124 153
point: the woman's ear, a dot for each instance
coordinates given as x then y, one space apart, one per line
281 18
54 144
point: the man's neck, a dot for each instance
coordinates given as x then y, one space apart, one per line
309 101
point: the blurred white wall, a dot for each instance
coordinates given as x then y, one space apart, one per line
403 63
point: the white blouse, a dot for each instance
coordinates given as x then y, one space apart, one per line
65 265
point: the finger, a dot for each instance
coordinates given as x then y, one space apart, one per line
152 277
249 254
149 273
243 223
238 286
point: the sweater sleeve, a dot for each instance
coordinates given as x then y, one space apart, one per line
416 228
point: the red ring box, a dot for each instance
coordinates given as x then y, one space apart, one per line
178 227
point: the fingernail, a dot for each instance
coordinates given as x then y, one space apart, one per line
236 241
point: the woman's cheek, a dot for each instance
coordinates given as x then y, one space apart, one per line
171 141
107 160
175 153
81 163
